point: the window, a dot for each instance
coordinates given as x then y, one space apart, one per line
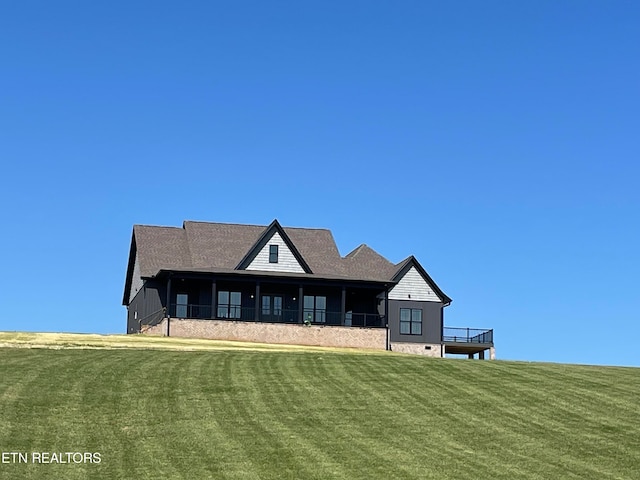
315 309
229 304
273 253
410 321
182 303
271 306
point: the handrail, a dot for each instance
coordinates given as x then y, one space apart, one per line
141 320
467 335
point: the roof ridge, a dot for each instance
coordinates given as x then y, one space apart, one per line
307 228
225 223
155 226
355 251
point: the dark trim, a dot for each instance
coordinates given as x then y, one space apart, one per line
214 297
264 239
257 302
300 303
413 262
386 316
249 275
168 304
130 266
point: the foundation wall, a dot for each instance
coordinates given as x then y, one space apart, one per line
426 349
325 336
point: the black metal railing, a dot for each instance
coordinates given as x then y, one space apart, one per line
248 314
232 312
279 316
190 310
371 320
151 319
467 335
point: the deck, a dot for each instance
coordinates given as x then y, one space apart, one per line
467 341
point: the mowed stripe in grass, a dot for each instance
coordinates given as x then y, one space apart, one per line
315 415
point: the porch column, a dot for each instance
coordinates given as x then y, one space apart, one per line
343 306
168 305
257 302
481 355
470 356
300 303
214 299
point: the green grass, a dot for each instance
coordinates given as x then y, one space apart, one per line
242 413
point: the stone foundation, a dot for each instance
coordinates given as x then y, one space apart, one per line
426 349
290 334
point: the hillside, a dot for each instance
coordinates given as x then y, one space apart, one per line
274 413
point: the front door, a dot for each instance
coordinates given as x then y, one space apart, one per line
271 308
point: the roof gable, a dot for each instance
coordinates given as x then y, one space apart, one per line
413 282
365 262
286 260
257 258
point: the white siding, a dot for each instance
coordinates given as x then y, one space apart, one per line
413 284
136 280
286 260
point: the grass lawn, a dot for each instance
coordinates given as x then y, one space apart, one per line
298 413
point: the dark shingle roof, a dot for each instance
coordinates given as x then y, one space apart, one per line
203 245
364 262
161 247
220 247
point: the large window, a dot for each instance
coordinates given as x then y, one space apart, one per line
229 304
410 321
182 304
273 253
315 309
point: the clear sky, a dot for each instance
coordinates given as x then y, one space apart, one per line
496 141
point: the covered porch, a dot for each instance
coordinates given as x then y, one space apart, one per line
252 298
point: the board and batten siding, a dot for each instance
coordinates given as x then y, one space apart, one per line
286 260
136 280
413 287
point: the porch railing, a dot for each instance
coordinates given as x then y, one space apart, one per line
467 335
248 314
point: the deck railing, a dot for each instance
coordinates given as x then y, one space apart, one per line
467 335
248 314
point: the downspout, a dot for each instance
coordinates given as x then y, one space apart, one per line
386 315
442 347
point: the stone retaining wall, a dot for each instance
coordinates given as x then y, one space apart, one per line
325 336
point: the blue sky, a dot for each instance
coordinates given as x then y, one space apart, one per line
496 141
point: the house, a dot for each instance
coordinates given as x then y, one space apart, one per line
287 285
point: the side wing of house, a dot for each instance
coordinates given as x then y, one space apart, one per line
144 296
415 308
